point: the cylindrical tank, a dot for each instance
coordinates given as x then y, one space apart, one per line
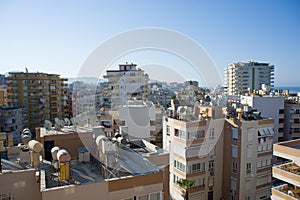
63 156
99 139
35 146
54 151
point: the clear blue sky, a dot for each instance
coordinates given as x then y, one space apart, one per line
57 36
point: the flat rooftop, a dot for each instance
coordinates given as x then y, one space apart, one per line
65 130
130 163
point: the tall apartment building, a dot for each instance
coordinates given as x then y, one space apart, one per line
228 158
125 83
240 77
288 172
42 96
195 149
247 159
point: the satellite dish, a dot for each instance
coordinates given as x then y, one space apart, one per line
67 122
181 109
73 121
48 125
58 124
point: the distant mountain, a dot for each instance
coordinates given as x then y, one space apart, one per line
92 80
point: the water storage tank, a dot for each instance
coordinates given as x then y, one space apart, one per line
54 151
63 156
35 146
99 140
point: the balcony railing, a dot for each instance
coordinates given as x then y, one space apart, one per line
286 192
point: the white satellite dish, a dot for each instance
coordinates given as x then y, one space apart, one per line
67 122
181 109
58 124
48 125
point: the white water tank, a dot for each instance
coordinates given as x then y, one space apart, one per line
54 151
35 146
63 156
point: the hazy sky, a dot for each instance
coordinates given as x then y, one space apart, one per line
57 36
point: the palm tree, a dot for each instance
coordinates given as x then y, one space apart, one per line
186 185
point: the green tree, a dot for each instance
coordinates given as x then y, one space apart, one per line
186 185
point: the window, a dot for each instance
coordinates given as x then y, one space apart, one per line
211 134
296 121
235 134
5 196
176 132
281 111
180 166
234 151
211 166
248 168
234 167
154 196
144 197
168 130
210 195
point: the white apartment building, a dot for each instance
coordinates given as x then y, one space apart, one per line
137 119
240 77
125 83
270 106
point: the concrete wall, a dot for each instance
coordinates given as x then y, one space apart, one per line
93 191
21 185
113 189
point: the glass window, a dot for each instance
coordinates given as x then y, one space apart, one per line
212 134
235 134
248 168
234 151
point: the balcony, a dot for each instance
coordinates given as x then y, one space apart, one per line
190 190
288 172
285 192
288 150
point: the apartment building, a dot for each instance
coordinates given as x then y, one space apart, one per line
271 106
288 173
247 158
195 147
125 83
241 77
227 157
42 96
